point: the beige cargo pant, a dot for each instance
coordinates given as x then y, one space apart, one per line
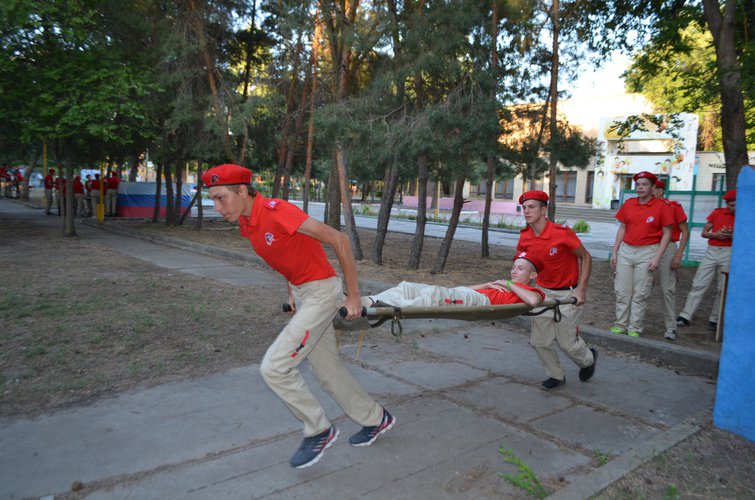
95 195
310 335
633 284
48 200
566 332
111 201
408 294
667 282
715 262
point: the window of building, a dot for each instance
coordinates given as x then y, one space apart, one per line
590 183
566 186
504 189
719 182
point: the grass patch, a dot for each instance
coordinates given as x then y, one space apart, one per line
525 478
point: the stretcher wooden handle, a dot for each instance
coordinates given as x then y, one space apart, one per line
344 312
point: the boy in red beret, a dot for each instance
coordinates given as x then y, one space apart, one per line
641 241
719 229
671 260
292 243
566 269
514 291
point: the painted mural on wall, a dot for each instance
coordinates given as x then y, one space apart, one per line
678 131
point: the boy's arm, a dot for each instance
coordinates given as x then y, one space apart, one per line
342 246
532 299
617 243
676 262
585 267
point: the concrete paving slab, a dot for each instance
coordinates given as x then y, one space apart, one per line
594 430
413 460
239 275
145 429
510 401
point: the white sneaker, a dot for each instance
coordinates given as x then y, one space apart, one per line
669 334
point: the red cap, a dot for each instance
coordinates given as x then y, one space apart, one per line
645 175
730 195
52 170
227 175
533 259
534 195
660 184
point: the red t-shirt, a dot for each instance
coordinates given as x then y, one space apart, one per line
49 181
112 183
498 297
272 231
78 187
95 183
645 221
679 217
555 247
720 218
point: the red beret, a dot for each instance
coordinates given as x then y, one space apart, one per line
645 175
660 184
534 195
227 175
730 195
533 259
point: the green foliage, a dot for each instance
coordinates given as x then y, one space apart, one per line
525 478
602 457
581 226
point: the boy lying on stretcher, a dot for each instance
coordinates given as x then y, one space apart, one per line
513 291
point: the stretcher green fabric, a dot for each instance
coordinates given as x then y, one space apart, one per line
383 313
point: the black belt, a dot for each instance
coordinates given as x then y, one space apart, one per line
563 289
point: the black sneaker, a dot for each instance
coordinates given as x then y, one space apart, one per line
712 326
369 434
552 383
312 448
682 321
588 371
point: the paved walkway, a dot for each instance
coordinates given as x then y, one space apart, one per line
460 391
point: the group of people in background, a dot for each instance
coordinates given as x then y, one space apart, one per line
651 240
11 181
86 194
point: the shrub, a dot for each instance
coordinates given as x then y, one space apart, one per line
581 226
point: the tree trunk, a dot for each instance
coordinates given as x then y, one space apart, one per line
419 231
209 64
179 193
169 212
200 206
733 128
554 108
25 185
348 214
158 192
134 169
70 222
311 124
334 199
390 182
445 246
286 129
484 246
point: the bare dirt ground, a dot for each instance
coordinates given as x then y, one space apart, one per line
81 322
